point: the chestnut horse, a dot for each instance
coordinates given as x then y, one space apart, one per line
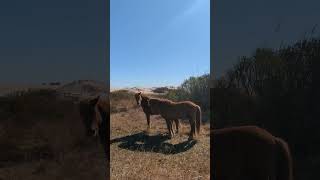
171 112
250 153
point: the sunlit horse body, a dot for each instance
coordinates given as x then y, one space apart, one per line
171 112
250 153
95 115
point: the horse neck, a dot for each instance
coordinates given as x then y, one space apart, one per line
144 100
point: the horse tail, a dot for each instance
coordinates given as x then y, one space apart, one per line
198 119
284 161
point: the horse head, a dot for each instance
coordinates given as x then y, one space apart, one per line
138 98
90 116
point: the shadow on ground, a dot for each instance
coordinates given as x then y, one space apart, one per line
155 143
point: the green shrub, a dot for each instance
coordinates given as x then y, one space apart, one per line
195 89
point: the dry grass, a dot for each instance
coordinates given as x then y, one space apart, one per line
136 155
80 165
44 138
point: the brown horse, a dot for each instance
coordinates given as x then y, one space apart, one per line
171 111
250 153
95 114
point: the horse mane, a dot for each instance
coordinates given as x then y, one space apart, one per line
103 103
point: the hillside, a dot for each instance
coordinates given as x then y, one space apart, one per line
79 88
152 90
83 88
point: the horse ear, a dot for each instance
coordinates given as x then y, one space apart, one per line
139 92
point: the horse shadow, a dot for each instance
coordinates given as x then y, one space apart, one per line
155 143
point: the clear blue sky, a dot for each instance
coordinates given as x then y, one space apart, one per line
158 42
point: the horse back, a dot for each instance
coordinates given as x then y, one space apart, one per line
170 109
284 160
246 151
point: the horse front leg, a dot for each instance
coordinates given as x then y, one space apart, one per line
170 129
148 121
177 122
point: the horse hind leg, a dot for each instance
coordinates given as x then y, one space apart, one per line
192 129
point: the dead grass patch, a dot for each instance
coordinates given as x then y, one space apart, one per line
42 137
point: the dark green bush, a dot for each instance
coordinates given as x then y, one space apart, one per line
274 89
195 89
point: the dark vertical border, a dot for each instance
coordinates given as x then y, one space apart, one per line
211 43
107 49
211 87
